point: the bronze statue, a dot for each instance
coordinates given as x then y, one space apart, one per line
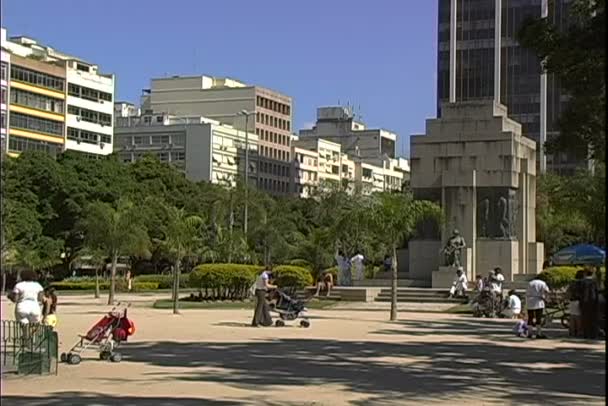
453 249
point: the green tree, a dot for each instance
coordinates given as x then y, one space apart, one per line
182 238
577 56
116 231
394 217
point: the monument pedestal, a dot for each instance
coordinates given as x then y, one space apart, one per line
444 277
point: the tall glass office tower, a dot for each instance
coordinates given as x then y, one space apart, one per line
469 66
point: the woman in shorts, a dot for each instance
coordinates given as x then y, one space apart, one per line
28 296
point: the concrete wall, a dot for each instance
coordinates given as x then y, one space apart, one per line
198 152
423 258
403 260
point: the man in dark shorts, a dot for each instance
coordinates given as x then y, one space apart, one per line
588 301
535 302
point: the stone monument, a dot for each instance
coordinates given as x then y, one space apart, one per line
476 164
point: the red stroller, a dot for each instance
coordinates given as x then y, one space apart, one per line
105 336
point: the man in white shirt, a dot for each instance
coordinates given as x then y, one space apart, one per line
459 286
535 302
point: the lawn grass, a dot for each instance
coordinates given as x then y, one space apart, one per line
168 304
105 292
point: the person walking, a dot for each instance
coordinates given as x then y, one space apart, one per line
28 296
574 306
261 314
343 269
49 307
589 304
535 300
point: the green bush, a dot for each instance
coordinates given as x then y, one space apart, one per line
289 276
121 285
164 281
559 277
224 281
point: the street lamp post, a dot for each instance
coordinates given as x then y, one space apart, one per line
246 214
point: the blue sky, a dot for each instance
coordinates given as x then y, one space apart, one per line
379 56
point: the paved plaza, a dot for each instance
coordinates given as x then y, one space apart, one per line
345 358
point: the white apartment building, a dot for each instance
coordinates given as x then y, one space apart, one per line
335 169
5 65
90 111
87 102
204 149
305 172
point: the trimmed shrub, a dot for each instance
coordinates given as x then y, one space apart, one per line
121 285
224 281
289 276
559 277
164 281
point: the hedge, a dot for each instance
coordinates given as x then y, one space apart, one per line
164 281
121 285
224 281
289 276
559 277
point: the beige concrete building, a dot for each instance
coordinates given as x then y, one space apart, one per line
222 99
204 149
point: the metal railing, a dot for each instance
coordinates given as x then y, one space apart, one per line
27 349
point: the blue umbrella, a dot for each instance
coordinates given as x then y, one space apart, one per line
581 254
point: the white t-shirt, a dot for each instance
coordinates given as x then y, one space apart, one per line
260 282
535 294
27 291
515 304
497 283
461 281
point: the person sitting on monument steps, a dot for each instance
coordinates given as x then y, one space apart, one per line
459 286
453 249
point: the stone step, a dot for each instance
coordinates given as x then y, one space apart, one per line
422 300
387 283
389 275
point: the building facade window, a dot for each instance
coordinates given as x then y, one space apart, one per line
36 78
42 125
89 137
20 144
88 94
4 71
91 116
37 101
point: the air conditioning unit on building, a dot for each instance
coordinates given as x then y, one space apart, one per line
101 145
78 118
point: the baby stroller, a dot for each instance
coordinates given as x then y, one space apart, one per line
483 305
105 336
287 308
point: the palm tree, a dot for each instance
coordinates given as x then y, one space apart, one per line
395 217
115 231
182 239
97 258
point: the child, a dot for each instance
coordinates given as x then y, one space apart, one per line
514 308
49 307
521 328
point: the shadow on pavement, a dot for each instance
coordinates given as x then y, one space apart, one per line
88 399
390 371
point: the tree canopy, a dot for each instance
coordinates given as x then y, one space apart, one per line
576 54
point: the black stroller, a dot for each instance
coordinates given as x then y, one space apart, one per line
287 308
